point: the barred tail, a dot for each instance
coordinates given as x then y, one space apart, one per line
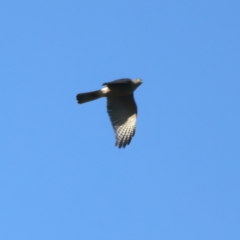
89 96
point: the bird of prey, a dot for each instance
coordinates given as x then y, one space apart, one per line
121 107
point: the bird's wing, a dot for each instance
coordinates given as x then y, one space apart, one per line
123 115
117 82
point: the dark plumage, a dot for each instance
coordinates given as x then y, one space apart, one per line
121 107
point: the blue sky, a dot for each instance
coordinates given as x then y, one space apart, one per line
61 176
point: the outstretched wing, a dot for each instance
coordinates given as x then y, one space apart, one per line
123 115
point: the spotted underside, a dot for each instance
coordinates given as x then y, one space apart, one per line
122 111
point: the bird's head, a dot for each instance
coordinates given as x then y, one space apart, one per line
137 81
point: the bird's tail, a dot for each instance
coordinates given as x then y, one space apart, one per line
89 96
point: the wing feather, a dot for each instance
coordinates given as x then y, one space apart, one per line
123 115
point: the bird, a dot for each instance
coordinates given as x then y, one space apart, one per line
121 106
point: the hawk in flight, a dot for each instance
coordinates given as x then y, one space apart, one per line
121 107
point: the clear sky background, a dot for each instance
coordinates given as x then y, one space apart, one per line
61 177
